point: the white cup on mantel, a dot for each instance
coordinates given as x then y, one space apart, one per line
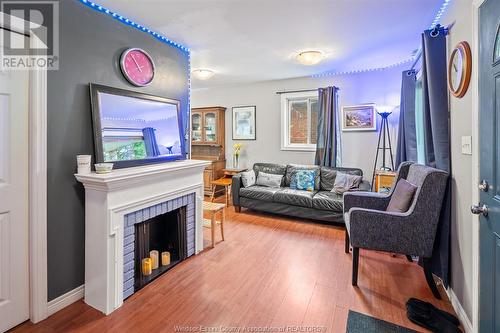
83 162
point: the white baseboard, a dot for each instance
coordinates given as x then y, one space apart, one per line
464 319
63 301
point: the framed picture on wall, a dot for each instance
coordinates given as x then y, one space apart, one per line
359 118
244 125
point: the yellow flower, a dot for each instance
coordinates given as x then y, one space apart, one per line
237 148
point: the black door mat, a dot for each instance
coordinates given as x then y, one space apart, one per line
360 323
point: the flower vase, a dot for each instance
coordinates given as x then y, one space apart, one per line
236 161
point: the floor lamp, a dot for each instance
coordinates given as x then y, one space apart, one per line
385 137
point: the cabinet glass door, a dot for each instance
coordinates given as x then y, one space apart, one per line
196 128
210 127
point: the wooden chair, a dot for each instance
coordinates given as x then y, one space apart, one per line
213 208
226 183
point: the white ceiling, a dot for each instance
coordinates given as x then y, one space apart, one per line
254 40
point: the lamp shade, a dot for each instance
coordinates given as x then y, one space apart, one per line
203 74
310 57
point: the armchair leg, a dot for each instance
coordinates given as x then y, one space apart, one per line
428 277
355 265
237 209
347 242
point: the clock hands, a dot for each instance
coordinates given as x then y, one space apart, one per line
135 61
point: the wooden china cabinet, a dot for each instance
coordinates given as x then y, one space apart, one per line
208 141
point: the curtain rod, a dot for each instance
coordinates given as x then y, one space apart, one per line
295 91
417 58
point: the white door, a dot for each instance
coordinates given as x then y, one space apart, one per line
14 260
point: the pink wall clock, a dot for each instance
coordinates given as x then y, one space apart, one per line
137 67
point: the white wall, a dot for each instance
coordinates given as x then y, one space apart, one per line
460 13
379 87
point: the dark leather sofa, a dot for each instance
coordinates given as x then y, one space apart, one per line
320 204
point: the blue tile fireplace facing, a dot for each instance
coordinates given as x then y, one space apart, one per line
148 213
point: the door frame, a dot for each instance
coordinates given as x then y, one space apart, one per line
37 180
475 163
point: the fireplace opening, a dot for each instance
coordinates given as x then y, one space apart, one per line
164 234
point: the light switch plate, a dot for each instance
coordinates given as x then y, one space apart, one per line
467 145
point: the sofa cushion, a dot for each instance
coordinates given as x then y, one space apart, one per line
269 179
248 178
259 192
328 175
402 197
274 168
345 182
303 180
327 200
294 197
291 169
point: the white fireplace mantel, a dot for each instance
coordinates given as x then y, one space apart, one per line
108 198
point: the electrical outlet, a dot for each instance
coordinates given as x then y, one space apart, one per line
467 145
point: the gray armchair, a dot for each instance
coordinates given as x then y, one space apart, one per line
412 233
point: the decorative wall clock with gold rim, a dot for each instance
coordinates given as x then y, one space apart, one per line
460 69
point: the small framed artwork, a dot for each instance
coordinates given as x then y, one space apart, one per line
359 118
244 127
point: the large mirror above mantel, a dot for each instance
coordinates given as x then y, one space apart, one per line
132 128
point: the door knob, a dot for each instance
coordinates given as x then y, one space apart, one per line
483 186
479 209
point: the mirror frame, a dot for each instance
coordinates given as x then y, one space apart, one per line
95 89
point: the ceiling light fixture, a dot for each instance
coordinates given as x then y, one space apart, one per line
203 74
309 58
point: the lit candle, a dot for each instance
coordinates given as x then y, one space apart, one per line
165 258
146 266
154 258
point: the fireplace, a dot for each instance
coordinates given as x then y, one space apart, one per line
116 202
165 227
163 233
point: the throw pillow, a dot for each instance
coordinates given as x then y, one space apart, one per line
303 180
248 178
402 197
345 182
269 179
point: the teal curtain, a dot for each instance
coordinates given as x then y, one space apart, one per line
419 122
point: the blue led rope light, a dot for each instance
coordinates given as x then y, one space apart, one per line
434 24
131 23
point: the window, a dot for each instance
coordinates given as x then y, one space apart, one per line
299 119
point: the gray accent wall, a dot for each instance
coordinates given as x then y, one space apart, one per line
90 47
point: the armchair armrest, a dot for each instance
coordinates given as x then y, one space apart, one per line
391 232
235 189
370 200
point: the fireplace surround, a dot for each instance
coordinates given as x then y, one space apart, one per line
168 226
111 200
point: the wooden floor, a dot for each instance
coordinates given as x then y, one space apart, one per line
270 271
